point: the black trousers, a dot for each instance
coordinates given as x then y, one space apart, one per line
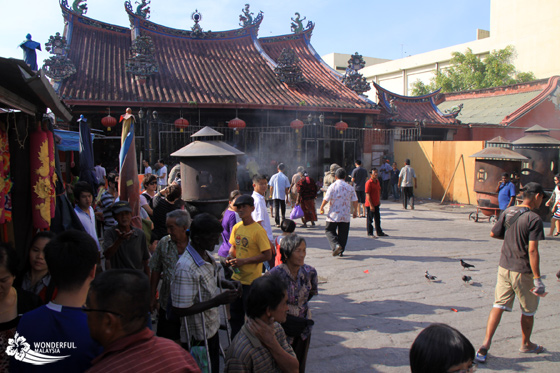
408 193
337 233
279 204
237 311
373 215
385 186
170 329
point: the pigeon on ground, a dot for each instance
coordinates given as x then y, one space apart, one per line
558 275
429 277
466 265
467 279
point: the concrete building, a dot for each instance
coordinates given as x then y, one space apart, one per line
530 26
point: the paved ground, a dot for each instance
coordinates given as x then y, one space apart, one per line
375 300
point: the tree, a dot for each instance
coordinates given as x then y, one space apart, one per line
468 71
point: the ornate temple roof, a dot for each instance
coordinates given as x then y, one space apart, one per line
226 69
413 109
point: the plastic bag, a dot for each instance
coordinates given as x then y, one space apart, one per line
296 213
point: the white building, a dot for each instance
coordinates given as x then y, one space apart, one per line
532 27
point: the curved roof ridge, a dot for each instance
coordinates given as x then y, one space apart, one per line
406 98
142 23
272 39
551 86
70 16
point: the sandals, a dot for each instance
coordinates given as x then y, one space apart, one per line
537 350
481 355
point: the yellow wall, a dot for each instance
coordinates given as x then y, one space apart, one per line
434 163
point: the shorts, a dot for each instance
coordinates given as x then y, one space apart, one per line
511 284
361 196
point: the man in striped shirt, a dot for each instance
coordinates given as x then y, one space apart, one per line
117 307
108 199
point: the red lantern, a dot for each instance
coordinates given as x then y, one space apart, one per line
237 124
341 126
181 123
109 122
296 124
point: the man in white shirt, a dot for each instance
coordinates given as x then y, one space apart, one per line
147 168
279 186
343 202
83 194
162 175
260 214
100 173
407 178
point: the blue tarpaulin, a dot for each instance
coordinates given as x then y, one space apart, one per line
69 140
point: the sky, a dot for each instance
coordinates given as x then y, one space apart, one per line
374 28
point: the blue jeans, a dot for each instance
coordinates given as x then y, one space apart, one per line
396 194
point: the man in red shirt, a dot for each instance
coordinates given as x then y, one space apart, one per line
373 191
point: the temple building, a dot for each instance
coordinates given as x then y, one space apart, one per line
273 98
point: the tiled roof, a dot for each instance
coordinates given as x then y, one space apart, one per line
411 109
321 81
220 70
499 105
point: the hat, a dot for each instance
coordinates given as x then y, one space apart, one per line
533 187
334 167
244 200
121 206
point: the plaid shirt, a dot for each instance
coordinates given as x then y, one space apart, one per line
193 277
163 261
247 354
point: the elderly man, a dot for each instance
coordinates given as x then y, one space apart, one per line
342 201
162 266
519 270
195 290
261 345
124 245
117 306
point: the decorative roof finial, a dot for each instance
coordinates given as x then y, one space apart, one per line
288 70
79 8
58 67
297 24
352 78
196 29
143 10
246 19
142 61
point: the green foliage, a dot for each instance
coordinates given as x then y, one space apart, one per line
468 71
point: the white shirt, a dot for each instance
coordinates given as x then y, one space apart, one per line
88 221
408 175
100 173
147 170
163 180
279 182
260 214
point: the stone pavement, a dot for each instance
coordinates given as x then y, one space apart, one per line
374 301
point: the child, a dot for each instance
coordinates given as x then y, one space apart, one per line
288 226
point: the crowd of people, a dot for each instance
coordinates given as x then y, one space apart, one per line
98 293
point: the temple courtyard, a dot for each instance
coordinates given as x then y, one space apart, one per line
375 300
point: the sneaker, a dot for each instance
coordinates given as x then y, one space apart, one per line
382 234
337 250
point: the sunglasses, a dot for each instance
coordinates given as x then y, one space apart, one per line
153 183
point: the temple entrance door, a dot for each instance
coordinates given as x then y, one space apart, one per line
274 148
349 151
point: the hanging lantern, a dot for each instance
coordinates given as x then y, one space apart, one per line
237 124
109 122
296 124
341 126
181 123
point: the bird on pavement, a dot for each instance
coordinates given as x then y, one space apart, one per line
558 275
429 277
467 279
466 265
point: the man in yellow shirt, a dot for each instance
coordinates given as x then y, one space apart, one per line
250 247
